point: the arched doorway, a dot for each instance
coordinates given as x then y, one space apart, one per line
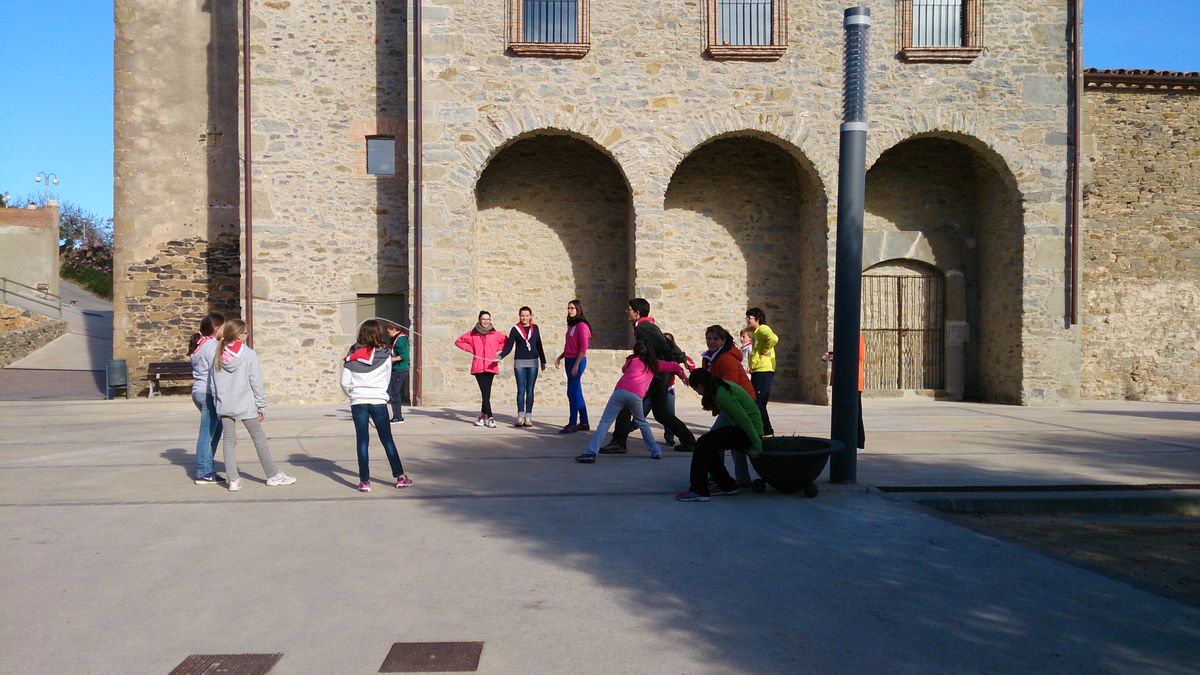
951 202
903 325
753 211
554 217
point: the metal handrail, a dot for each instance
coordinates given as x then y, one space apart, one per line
46 298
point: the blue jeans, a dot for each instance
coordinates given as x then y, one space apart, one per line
575 391
210 433
378 413
526 378
623 399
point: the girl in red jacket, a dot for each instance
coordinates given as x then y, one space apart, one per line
483 343
724 360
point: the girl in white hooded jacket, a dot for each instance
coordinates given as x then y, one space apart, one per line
366 372
237 390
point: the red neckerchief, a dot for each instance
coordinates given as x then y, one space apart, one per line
528 337
641 319
364 354
232 351
203 339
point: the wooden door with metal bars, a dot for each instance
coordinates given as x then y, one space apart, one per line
903 324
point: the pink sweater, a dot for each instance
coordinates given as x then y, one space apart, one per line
636 377
577 340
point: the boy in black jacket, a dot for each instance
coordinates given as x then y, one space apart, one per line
645 329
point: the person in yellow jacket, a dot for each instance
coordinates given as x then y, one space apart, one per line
762 363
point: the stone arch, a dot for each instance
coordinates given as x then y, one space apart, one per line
755 212
789 132
505 128
1004 156
952 202
553 222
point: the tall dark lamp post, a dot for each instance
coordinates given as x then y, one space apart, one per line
847 289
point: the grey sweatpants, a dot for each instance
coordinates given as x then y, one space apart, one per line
229 431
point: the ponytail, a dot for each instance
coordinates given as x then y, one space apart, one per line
229 334
194 343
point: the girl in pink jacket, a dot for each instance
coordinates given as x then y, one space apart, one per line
483 343
639 369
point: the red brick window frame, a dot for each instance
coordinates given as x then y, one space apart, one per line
365 129
939 31
549 28
746 30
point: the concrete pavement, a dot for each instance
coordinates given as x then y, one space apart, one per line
114 562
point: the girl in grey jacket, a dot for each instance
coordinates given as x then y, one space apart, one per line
237 389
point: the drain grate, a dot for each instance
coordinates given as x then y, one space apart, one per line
227 664
433 657
1040 488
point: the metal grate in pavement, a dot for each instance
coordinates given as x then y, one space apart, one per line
433 657
227 664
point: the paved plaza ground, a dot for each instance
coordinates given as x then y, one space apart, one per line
113 562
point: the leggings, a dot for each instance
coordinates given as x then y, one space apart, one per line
254 427
485 391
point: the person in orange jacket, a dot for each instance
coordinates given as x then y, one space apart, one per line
724 360
862 363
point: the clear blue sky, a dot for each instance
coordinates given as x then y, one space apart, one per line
56 81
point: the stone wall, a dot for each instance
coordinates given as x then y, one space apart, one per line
176 215
169 293
645 98
1140 301
23 332
325 76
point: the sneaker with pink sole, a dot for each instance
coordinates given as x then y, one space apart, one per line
403 482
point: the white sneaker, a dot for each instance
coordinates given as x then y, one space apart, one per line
280 479
479 421
235 485
491 422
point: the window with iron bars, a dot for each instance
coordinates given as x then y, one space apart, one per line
749 30
949 31
555 28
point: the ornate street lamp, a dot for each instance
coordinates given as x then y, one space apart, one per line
48 178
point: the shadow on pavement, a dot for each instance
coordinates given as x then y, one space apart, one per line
27 384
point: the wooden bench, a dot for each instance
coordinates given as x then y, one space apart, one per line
167 370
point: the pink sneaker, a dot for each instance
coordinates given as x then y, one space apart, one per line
403 482
364 487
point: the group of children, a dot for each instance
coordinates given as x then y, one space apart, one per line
488 347
227 387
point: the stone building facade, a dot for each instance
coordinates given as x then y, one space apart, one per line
1141 249
645 159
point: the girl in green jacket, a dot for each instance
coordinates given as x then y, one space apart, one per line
745 435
